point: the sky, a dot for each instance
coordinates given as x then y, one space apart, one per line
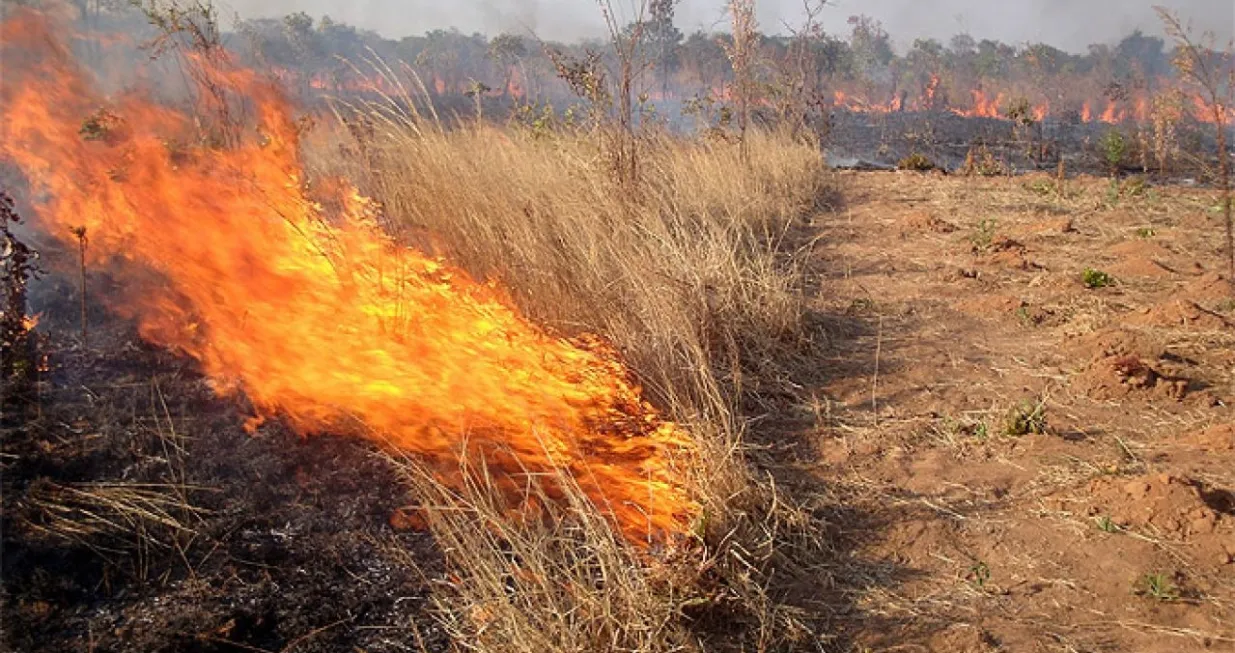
1067 24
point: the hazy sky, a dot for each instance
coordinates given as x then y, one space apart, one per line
1070 24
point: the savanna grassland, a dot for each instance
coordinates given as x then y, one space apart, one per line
375 379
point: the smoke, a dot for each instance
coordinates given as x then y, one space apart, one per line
1067 24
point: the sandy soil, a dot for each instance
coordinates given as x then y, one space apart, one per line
1103 522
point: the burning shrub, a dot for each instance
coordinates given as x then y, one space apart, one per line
18 352
103 125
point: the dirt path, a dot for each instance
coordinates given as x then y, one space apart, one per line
1038 465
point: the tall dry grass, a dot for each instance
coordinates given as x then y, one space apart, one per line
696 277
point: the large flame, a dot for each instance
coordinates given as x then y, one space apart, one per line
316 315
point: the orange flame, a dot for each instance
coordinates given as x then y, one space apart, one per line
1041 111
1141 112
1208 113
1110 116
983 107
315 314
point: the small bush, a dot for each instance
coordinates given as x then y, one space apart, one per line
982 238
1096 278
1114 149
1026 418
1158 586
1041 187
917 162
981 162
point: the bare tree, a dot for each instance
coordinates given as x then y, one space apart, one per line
1214 72
741 54
799 76
627 48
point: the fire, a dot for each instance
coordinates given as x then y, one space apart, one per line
1141 113
313 312
1207 112
983 107
1041 111
1110 115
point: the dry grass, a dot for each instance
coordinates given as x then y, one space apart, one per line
559 580
695 270
697 278
118 521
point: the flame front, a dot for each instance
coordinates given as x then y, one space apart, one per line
317 317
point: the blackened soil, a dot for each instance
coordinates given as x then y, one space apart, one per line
268 542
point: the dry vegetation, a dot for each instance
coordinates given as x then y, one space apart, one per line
700 264
696 274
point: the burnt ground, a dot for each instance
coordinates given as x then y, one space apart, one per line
1005 459
139 515
945 139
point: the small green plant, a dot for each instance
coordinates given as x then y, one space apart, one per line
981 431
1042 187
984 235
1107 525
979 574
1028 317
1158 586
917 162
1114 148
1145 233
1026 418
1096 278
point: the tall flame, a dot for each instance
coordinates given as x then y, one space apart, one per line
317 315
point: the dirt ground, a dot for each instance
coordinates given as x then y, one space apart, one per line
1004 458
1024 463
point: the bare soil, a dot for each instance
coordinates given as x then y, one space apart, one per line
1110 528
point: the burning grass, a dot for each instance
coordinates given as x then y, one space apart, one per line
697 280
325 310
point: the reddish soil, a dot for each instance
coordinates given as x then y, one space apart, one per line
1112 529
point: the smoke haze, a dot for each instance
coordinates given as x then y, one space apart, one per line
1068 24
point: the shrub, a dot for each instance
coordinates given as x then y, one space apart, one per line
917 162
1096 278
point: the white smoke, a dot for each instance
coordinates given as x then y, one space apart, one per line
1068 24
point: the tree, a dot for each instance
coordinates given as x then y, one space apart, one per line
962 45
871 45
741 53
507 50
1214 73
703 58
1147 53
663 39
